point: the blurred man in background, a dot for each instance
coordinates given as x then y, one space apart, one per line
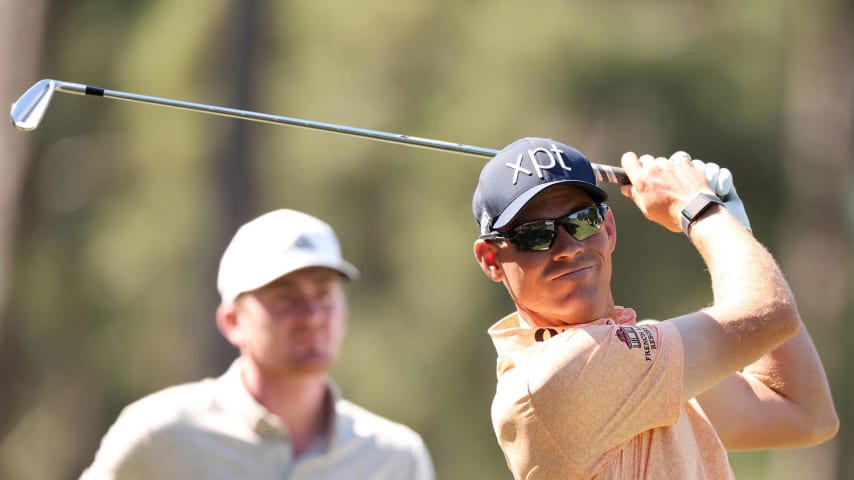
584 391
275 413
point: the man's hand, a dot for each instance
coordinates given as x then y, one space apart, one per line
720 179
661 187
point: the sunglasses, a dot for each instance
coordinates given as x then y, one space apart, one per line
540 235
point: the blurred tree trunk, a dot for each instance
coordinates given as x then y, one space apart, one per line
234 161
21 32
814 225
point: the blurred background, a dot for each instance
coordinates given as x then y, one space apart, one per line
113 215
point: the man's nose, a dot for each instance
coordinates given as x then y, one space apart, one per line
309 308
565 245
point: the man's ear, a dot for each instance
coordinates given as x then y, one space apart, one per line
486 254
611 229
228 323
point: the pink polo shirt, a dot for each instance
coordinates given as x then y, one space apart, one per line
602 400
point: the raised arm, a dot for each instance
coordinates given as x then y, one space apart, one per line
781 398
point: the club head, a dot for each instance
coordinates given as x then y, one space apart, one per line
28 111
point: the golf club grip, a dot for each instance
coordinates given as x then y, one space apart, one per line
609 174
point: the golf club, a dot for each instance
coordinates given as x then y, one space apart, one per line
28 111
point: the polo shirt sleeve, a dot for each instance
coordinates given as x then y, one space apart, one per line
422 463
596 387
124 452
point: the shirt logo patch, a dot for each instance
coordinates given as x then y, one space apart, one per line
638 337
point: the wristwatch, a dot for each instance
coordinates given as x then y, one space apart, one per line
696 207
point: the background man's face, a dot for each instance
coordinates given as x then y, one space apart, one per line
295 324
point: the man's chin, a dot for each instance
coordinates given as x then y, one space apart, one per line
312 363
572 315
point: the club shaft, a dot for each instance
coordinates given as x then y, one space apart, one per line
604 173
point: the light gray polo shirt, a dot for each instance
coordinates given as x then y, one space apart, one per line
214 429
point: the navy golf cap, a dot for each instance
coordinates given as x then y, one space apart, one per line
523 169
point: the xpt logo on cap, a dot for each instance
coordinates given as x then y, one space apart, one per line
554 155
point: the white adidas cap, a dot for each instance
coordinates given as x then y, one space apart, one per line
275 244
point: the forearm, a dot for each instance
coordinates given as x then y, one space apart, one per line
752 301
781 398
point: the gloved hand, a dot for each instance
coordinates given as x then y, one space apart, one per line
720 180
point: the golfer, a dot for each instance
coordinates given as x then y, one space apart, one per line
275 413
584 391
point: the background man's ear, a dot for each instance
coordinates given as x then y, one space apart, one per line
228 323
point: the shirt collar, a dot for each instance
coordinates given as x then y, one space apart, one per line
512 333
233 397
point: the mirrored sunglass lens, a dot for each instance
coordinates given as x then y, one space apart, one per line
583 224
537 237
581 230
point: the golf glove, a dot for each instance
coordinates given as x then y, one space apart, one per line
720 180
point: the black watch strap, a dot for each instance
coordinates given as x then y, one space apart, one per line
696 207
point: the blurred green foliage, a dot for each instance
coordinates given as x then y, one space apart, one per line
126 208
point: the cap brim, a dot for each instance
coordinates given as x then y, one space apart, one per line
597 194
345 268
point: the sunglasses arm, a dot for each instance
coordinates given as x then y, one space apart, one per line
492 236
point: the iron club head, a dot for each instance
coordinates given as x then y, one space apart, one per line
28 111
